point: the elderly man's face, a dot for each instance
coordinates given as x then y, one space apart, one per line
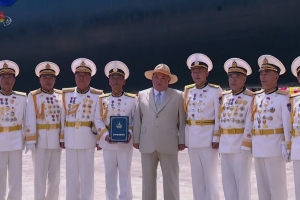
268 79
236 81
83 80
160 81
7 81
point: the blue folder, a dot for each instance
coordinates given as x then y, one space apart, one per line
119 128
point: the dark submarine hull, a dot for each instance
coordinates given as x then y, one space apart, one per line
144 33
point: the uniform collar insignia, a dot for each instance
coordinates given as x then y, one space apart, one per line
82 91
202 86
47 92
117 94
6 94
238 91
269 91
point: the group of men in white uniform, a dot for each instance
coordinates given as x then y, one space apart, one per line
238 124
75 119
242 125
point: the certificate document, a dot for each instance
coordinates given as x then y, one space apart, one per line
119 128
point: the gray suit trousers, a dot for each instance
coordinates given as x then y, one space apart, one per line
170 171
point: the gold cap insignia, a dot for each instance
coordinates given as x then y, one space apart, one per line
48 66
82 64
234 64
115 69
196 63
265 61
5 65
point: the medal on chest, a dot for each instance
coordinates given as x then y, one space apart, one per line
72 107
8 109
87 107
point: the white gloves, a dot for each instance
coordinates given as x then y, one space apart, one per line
285 153
245 153
30 147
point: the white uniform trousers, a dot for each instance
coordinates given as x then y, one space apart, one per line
11 163
80 174
46 164
118 162
236 176
204 166
271 178
296 166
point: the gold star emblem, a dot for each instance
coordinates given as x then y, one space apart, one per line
82 64
234 64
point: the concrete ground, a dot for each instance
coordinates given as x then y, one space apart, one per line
185 178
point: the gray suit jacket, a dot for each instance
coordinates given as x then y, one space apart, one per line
161 129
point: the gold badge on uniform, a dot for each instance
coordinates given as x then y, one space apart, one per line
266 104
7 108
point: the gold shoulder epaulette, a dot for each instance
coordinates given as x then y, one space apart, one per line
57 91
20 93
213 85
95 91
66 90
226 92
129 94
35 92
259 91
295 94
104 95
189 86
283 92
248 92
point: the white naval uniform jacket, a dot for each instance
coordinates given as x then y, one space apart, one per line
295 120
202 104
78 131
43 121
235 121
271 114
113 106
12 114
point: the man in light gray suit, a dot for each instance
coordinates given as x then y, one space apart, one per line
158 132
